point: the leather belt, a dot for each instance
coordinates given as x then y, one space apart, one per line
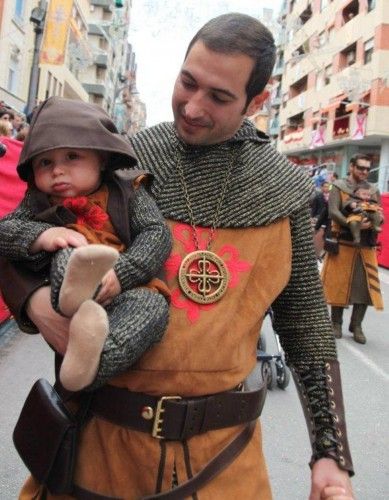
173 417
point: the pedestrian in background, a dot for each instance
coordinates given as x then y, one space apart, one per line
350 273
12 189
320 217
6 117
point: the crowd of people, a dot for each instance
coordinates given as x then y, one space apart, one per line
178 317
12 123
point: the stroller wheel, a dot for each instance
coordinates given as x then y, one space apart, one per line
283 375
269 374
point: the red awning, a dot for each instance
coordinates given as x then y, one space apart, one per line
334 104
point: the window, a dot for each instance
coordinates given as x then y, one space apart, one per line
100 75
13 70
351 11
306 15
55 81
11 80
48 85
19 9
319 84
331 33
320 40
371 5
341 127
299 87
348 56
327 74
368 51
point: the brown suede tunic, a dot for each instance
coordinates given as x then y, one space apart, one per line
257 276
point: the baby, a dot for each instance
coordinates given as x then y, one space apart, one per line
361 206
99 234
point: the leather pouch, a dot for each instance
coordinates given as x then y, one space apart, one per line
45 437
331 245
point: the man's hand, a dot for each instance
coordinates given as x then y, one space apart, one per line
110 287
53 327
55 238
329 482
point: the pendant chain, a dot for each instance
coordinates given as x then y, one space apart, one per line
219 204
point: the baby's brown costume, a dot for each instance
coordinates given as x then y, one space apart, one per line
131 222
363 210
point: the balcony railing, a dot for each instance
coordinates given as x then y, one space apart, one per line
341 127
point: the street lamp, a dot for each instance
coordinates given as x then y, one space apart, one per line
37 17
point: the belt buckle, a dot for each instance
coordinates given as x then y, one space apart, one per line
158 420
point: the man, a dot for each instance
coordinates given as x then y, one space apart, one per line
351 275
239 215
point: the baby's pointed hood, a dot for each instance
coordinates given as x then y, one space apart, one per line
66 123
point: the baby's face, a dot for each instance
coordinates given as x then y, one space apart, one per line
364 194
68 172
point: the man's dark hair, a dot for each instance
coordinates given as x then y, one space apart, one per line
359 156
238 33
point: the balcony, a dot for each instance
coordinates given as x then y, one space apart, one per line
107 5
101 60
96 89
341 128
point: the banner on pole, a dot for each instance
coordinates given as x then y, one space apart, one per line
56 32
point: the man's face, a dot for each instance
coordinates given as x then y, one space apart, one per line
209 95
360 171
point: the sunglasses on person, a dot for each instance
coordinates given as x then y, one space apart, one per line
362 169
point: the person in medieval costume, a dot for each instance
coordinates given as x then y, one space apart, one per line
178 424
70 221
350 276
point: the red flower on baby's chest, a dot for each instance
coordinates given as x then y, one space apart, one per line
86 212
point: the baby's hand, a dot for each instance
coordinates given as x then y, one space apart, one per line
55 238
365 224
110 287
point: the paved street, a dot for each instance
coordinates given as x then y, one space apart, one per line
365 372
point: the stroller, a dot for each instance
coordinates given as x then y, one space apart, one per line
273 368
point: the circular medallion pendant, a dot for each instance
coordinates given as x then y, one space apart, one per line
203 277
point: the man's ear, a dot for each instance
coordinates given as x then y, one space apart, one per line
257 102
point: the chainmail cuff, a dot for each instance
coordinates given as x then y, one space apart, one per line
320 392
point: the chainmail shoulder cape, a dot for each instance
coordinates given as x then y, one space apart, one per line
347 186
264 186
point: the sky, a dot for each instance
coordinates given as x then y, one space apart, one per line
160 31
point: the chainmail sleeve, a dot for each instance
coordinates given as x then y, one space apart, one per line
18 231
151 243
301 320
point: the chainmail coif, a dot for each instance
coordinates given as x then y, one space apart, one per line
264 187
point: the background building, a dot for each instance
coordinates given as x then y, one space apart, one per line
334 90
77 49
16 45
